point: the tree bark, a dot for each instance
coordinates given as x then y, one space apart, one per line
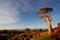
48 20
49 27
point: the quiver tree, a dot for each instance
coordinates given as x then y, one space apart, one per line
44 13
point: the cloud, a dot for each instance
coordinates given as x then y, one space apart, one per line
8 14
30 5
24 5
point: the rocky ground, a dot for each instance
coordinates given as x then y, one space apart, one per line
27 34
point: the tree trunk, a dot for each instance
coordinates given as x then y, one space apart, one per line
48 20
49 27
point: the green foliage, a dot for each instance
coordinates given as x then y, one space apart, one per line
46 37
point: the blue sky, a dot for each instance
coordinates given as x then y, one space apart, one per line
17 14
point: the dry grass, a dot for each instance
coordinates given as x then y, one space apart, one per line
26 34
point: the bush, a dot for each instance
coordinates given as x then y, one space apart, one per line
46 37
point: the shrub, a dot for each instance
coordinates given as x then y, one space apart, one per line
46 37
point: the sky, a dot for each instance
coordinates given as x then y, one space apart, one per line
19 14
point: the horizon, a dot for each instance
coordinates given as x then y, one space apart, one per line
15 14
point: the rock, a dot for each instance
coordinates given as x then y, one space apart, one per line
58 25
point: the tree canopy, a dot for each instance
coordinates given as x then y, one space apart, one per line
45 10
